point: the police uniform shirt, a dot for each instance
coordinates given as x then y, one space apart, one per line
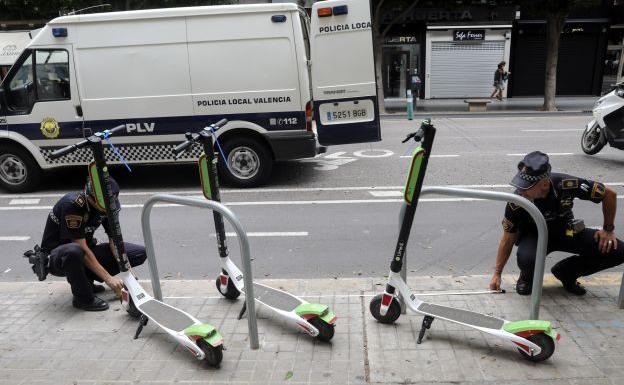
556 207
71 218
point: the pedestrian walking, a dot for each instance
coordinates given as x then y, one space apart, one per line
500 81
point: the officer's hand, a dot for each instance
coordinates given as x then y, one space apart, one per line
115 284
606 241
495 283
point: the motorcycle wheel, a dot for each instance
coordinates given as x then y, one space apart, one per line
591 141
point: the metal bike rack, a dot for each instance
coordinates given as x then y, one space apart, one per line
540 222
244 248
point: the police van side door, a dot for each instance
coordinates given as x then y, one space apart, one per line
41 94
343 72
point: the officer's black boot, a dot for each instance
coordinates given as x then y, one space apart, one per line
97 304
570 284
524 286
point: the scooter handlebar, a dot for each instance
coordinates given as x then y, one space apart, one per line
180 148
73 147
66 150
114 130
219 124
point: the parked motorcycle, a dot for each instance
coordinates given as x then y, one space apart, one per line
607 126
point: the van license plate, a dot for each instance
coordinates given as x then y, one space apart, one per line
347 112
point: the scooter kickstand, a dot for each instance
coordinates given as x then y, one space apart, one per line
142 322
426 324
243 310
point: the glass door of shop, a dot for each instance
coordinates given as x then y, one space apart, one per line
395 71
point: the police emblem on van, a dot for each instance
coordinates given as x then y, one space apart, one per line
50 128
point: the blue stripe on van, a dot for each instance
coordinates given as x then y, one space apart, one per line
332 134
273 121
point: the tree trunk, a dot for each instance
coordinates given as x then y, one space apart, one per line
554 26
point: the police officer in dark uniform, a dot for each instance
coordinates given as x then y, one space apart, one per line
553 194
74 252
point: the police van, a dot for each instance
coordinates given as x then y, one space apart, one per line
286 83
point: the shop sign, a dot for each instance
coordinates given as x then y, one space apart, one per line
468 34
401 40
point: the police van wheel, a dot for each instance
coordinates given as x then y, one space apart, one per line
249 162
18 170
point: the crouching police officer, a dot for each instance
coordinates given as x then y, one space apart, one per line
553 194
74 252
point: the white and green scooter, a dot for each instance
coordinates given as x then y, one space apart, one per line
315 319
202 340
534 339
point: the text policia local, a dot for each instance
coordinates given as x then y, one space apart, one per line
344 27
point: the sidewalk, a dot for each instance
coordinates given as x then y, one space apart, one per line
43 340
565 104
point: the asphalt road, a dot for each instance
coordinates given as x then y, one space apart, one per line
337 215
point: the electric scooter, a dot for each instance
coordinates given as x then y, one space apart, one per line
607 126
315 319
534 339
202 340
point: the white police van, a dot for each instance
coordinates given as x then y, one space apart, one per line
164 72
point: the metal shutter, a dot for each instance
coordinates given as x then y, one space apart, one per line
461 70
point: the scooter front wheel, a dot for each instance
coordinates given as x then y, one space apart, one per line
326 331
231 292
545 342
214 354
393 313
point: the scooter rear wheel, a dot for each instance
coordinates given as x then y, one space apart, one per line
545 342
214 354
231 291
393 313
326 331
131 309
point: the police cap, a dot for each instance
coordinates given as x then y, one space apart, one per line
533 168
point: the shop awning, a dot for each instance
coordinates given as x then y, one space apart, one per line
11 46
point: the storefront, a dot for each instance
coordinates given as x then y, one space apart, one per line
581 58
402 60
461 59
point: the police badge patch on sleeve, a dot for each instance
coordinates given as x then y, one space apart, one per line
598 191
73 221
568 184
508 226
80 201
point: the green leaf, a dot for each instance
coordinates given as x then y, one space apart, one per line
288 376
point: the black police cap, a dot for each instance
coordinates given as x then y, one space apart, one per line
533 168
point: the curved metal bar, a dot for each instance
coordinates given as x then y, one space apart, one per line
540 222
244 248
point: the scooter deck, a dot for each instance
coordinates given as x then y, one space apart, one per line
461 316
166 315
275 298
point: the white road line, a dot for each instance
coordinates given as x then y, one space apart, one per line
14 238
435 156
25 201
277 203
278 190
385 194
556 130
273 234
7 270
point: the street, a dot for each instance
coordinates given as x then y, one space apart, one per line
337 215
